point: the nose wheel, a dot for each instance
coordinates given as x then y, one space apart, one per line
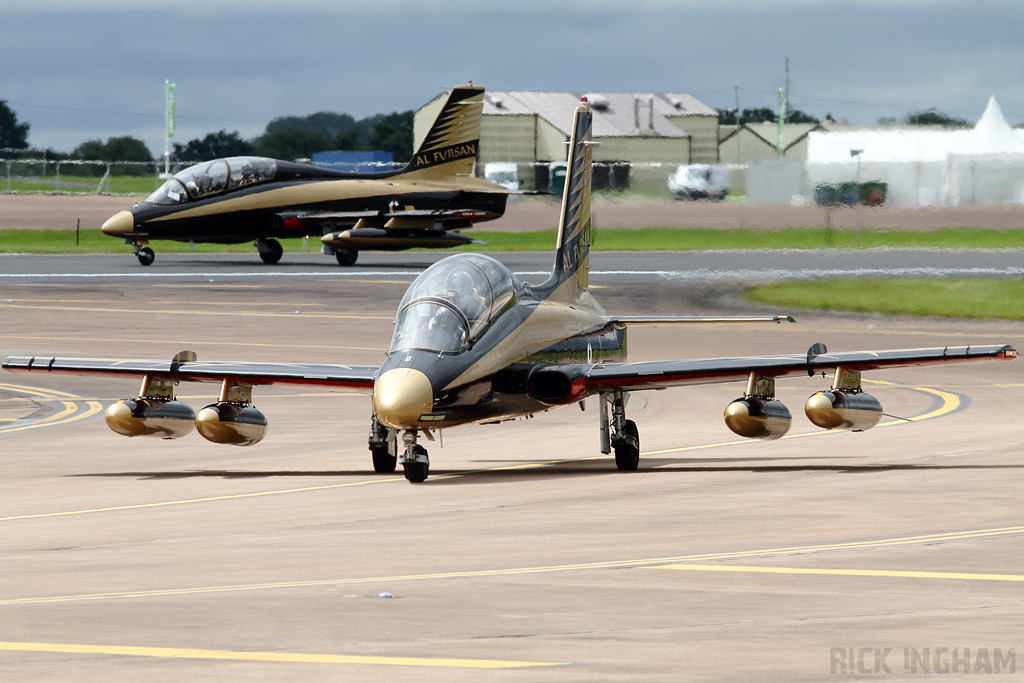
145 255
414 461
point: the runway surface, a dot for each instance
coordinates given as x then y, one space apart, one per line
689 266
526 555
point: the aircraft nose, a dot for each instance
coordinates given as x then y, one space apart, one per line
400 396
118 224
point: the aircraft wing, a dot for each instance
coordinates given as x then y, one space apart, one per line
671 373
184 368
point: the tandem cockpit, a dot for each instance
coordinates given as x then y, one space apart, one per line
213 177
452 303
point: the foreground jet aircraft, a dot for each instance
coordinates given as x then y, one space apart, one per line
242 199
474 344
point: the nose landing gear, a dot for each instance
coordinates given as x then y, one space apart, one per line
414 461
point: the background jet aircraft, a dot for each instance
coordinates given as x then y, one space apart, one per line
241 199
474 344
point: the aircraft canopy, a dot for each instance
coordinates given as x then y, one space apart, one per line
213 177
452 302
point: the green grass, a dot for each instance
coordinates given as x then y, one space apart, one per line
695 239
979 298
19 240
92 241
73 184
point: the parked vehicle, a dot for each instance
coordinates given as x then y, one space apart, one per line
699 181
504 173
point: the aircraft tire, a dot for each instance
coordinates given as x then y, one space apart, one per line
627 456
417 472
146 256
383 461
346 257
273 253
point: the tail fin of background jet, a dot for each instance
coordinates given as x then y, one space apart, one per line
570 277
449 147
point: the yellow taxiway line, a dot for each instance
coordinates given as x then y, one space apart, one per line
963 576
72 411
246 656
682 560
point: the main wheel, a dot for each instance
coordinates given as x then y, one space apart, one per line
273 253
627 451
346 257
145 256
383 461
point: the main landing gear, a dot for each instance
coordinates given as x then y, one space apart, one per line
383 447
270 250
619 433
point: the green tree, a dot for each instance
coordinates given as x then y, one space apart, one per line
12 133
393 133
726 117
797 116
759 115
290 142
933 117
214 146
347 140
124 148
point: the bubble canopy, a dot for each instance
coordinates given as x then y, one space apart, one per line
213 177
452 302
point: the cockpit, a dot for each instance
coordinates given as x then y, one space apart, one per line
212 177
452 302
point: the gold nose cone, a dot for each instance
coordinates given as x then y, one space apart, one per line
400 396
118 224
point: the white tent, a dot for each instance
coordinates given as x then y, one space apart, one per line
987 165
924 166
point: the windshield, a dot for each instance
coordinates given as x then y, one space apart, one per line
211 177
452 302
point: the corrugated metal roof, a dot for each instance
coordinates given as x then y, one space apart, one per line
615 113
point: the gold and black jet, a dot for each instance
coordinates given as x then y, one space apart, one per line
243 199
472 343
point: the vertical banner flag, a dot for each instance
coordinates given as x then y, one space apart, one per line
782 119
170 109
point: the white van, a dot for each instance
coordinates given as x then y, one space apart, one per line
503 173
699 181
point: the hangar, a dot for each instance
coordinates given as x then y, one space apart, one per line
638 133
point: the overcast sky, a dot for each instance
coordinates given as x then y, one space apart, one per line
77 71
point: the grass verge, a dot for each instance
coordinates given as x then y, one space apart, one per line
979 298
55 241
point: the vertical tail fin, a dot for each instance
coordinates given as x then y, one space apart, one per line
570 277
449 147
